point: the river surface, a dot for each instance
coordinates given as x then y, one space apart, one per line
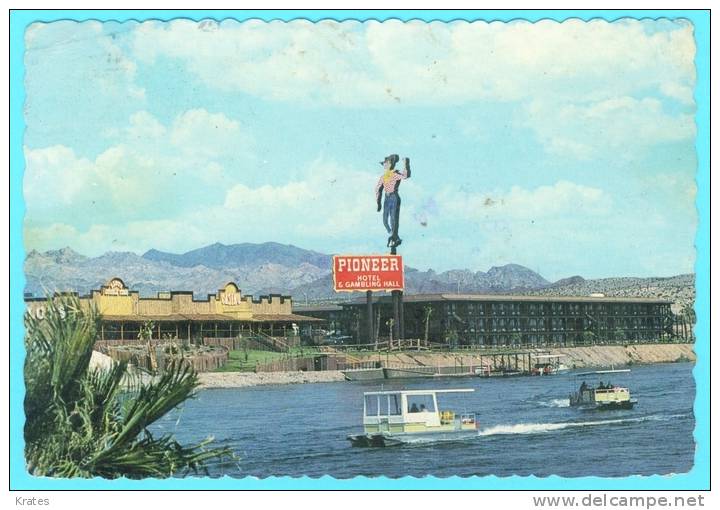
526 428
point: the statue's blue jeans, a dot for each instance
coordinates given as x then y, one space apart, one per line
391 213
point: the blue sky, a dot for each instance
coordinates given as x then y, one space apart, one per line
568 148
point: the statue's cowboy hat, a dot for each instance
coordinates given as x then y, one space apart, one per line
393 158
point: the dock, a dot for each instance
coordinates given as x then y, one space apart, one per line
505 364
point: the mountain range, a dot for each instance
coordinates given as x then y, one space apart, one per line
282 269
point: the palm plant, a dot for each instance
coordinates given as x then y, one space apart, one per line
428 311
84 422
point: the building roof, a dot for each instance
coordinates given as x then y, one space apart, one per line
176 317
209 317
426 298
317 308
286 317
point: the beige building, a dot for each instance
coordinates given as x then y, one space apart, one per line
225 314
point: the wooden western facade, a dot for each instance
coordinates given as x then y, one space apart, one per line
226 314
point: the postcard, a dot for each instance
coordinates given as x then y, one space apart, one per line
260 250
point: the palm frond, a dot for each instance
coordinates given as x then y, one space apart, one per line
83 422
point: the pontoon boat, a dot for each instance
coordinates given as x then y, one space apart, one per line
603 394
393 418
548 364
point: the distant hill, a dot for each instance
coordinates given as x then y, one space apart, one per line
277 268
679 289
259 269
221 256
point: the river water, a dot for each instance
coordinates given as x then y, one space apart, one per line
526 428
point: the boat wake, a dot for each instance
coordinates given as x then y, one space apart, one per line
556 402
540 428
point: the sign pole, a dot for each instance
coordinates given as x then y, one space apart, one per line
401 316
396 314
369 311
397 302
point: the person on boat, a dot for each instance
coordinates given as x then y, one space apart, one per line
601 386
422 408
414 408
583 386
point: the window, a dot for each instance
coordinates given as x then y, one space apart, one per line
420 403
390 404
382 405
371 405
394 404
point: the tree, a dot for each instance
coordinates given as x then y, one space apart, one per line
146 334
588 338
84 422
378 318
689 318
452 338
620 335
390 323
428 311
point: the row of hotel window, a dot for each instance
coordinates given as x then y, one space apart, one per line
555 309
534 339
553 324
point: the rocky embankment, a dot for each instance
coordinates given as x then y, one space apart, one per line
604 356
575 357
245 379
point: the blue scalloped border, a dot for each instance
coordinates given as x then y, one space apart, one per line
697 479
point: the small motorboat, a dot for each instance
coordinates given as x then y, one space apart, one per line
392 418
601 395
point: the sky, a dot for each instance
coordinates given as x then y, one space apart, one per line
565 147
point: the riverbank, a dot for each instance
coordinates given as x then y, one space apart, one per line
247 379
603 356
575 357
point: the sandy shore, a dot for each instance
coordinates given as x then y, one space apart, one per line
245 379
575 357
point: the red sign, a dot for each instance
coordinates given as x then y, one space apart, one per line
352 273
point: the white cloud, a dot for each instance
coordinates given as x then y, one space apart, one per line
144 126
352 63
618 125
134 236
330 201
202 133
150 171
81 50
583 87
549 201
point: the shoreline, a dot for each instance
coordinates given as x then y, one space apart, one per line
576 357
215 380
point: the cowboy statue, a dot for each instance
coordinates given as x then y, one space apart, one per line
390 181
